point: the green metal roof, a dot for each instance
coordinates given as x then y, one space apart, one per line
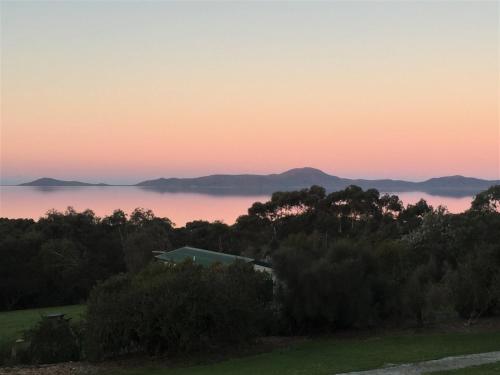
200 256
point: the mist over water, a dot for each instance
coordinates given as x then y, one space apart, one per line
34 202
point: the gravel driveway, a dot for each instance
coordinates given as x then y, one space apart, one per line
443 364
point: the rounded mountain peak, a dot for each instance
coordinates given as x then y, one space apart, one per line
304 172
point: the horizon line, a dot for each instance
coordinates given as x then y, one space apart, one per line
104 184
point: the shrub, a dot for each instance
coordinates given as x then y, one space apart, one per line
474 283
173 309
111 318
52 340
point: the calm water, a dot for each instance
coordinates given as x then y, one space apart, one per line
33 202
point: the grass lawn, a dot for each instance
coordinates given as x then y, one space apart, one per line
330 356
476 370
13 323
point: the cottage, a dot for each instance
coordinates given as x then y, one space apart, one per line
208 257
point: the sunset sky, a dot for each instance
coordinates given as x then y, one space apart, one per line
124 91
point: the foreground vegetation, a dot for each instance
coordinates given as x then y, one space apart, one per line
330 356
13 324
346 260
177 309
316 355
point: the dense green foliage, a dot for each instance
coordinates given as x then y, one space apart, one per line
387 262
59 258
52 340
182 308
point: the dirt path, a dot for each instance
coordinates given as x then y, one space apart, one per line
69 368
443 364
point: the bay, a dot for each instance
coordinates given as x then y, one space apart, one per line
34 202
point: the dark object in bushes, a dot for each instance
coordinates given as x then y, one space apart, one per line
52 340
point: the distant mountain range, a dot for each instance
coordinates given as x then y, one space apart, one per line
293 179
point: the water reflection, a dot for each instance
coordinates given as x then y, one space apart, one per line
180 207
219 191
52 189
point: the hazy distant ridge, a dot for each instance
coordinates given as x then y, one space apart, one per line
297 178
45 181
304 177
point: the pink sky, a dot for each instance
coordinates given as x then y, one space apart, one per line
193 89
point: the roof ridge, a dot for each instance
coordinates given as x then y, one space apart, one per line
211 252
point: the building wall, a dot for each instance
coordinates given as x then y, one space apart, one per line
268 270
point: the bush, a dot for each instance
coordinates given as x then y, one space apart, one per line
326 287
474 283
173 309
52 340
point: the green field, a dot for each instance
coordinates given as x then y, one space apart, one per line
329 356
13 323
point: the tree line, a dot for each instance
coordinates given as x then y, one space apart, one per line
345 259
